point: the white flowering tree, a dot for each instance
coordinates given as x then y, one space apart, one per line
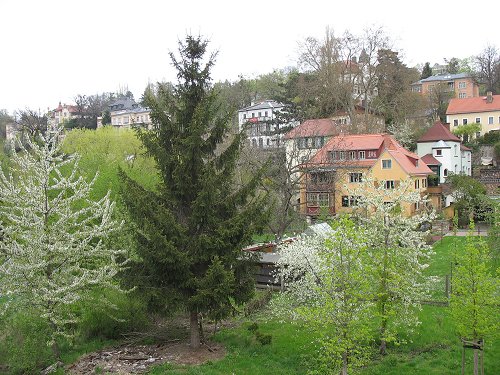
326 283
53 247
397 254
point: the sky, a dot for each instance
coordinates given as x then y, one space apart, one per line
54 50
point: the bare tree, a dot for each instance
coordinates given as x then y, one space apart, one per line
488 68
30 122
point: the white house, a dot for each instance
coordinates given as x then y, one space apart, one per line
444 153
259 121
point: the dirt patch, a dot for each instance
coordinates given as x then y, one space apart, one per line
134 359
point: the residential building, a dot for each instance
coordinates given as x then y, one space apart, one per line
445 154
347 160
261 125
462 85
126 113
62 113
484 110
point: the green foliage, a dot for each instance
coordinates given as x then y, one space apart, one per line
23 344
426 71
109 314
489 138
470 198
466 132
475 297
192 227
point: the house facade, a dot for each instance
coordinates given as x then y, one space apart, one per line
62 113
462 85
126 113
347 160
260 123
484 110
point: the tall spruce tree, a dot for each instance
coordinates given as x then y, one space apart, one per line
192 227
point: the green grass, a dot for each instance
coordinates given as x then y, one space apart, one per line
434 347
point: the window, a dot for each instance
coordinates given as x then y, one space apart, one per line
361 155
350 200
490 120
464 121
253 114
301 143
261 142
455 122
417 184
455 149
439 152
356 177
342 155
265 114
318 199
424 182
478 120
445 172
244 115
318 142
372 154
334 155
352 155
259 114
462 95
462 85
389 184
386 164
254 142
267 141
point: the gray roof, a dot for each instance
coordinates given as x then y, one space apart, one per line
266 104
441 144
321 229
444 77
121 104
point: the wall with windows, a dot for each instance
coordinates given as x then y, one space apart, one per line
489 120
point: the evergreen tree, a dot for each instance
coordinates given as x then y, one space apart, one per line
192 227
426 71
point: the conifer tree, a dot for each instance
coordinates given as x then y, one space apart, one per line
53 249
192 227
426 71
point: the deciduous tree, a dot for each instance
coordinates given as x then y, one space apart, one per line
53 248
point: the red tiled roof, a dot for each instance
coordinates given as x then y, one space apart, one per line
465 148
473 105
409 164
314 128
438 132
409 161
430 160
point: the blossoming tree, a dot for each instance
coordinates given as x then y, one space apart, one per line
397 254
53 247
326 283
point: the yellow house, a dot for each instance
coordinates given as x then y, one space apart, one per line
484 110
348 160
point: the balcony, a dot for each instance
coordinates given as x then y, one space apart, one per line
434 190
317 210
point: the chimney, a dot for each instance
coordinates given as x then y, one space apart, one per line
489 97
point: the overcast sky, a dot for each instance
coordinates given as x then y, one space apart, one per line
53 50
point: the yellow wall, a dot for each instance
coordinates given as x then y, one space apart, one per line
471 118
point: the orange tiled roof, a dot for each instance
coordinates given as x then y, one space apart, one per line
314 128
409 161
438 132
473 105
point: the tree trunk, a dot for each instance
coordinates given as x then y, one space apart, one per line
344 364
195 330
383 342
476 362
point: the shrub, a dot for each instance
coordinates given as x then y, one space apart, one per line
264 339
100 320
23 343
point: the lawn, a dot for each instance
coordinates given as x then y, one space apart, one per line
433 349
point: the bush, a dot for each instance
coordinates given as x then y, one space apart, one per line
264 339
109 322
23 343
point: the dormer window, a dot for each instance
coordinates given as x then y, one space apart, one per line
439 152
361 155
